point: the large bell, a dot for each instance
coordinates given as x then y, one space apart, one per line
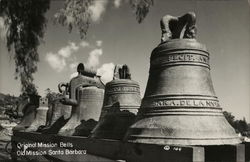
180 106
121 102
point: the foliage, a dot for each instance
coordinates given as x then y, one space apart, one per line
76 13
240 126
8 100
51 96
25 20
141 8
230 118
8 104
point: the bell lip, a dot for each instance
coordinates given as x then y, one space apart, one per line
189 130
180 44
188 142
224 140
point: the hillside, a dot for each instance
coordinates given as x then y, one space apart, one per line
7 102
2 96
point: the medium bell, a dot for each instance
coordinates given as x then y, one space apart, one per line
59 110
28 107
57 118
58 113
180 106
86 77
86 92
86 113
40 116
121 102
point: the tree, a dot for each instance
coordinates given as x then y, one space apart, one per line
76 13
26 23
141 8
240 126
52 95
230 118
